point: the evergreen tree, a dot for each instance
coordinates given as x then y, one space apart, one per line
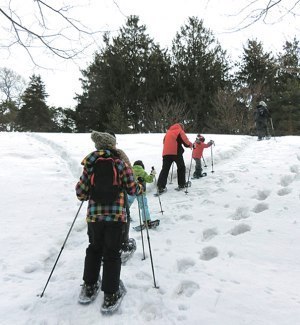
200 67
35 115
285 99
123 75
256 73
63 119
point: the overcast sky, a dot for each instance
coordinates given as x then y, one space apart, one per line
162 19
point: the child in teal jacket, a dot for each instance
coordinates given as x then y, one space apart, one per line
142 177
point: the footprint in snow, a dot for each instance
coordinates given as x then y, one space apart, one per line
286 180
260 207
235 180
32 267
295 169
262 195
187 288
209 233
151 312
220 190
284 191
185 264
183 307
239 229
240 213
243 169
208 253
186 217
143 276
207 202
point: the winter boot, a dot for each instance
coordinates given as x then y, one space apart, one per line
161 190
112 301
89 292
180 188
127 250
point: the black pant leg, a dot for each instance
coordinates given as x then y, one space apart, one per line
163 175
180 170
112 256
125 231
198 167
93 255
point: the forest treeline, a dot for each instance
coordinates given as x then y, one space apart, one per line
133 85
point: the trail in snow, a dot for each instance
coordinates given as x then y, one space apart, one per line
206 244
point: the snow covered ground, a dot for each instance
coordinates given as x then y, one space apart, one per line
225 253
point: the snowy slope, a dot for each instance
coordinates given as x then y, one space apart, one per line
227 252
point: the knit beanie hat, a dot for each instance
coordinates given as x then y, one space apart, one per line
103 140
139 163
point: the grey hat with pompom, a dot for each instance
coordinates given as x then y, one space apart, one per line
103 140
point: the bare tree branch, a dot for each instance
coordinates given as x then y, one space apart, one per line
261 10
51 28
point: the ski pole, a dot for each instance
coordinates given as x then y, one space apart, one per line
172 173
127 226
272 128
141 226
161 210
186 188
212 159
149 245
41 295
204 162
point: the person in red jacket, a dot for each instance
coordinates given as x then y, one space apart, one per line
198 148
173 152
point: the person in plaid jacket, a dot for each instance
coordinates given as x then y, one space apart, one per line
105 223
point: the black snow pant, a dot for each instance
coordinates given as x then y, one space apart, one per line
167 163
262 128
105 238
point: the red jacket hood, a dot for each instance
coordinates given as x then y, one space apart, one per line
176 126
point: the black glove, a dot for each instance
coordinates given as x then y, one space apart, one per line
140 179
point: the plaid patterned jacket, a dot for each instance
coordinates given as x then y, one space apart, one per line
104 212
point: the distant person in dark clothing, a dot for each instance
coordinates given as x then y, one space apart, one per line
173 152
261 116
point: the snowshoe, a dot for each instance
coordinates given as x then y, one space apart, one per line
202 175
127 250
139 227
151 225
182 187
113 301
89 292
160 191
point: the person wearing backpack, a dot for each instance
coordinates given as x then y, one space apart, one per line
173 151
104 181
261 116
143 177
198 147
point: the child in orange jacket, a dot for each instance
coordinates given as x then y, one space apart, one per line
198 148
